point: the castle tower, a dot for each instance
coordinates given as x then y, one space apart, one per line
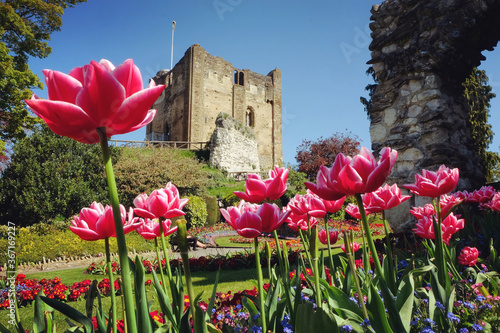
200 86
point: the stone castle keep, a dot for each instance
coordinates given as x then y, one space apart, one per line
202 86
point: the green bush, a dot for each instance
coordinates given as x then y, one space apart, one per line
51 177
230 200
196 212
213 212
147 169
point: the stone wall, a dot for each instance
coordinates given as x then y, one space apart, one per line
233 146
422 52
200 86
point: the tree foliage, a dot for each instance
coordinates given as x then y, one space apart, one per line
478 95
50 175
25 29
368 103
312 154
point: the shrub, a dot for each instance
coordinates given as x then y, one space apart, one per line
196 212
213 212
230 200
51 176
153 168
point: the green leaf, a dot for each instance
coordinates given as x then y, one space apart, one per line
342 304
141 301
200 325
376 311
212 298
4 329
164 301
69 312
404 300
39 317
310 320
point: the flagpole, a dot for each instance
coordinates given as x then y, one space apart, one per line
172 51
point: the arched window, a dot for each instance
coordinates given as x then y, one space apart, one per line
235 77
166 134
250 118
241 79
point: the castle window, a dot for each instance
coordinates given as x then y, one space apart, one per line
166 134
239 78
250 118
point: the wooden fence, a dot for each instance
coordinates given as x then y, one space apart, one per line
167 144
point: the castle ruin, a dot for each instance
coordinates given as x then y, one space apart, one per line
201 86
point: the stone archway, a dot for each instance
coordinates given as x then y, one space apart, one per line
421 52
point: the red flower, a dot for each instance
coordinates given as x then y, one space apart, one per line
450 225
164 202
149 229
468 256
333 235
97 222
250 220
258 190
95 96
347 176
494 204
307 204
354 247
484 194
434 184
384 198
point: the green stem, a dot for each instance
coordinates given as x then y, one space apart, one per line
332 266
157 248
369 238
165 253
260 280
315 260
184 248
439 254
112 284
120 235
352 264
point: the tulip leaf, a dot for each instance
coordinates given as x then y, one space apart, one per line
91 295
252 309
39 320
185 325
141 301
4 329
376 311
199 325
69 312
164 301
342 304
310 320
404 301
212 298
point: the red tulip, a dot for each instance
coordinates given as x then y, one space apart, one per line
258 190
164 203
468 256
354 247
331 206
484 194
449 226
308 204
250 220
333 235
347 176
150 229
96 95
97 222
494 204
296 222
353 210
434 184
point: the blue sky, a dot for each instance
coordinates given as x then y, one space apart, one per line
321 48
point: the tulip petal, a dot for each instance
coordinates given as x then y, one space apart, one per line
62 87
129 77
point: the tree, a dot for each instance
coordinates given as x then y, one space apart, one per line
311 155
478 94
25 28
51 175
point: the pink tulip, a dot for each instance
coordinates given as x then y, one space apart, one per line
258 190
449 226
164 203
95 96
347 176
150 229
468 256
333 235
353 210
434 184
354 247
448 203
307 205
97 222
494 204
331 206
297 222
484 194
250 220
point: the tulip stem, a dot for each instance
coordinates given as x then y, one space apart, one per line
112 285
160 266
184 248
332 266
260 284
369 238
165 253
313 246
120 235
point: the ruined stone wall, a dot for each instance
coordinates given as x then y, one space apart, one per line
422 51
201 86
233 146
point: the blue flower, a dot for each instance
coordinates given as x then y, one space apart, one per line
463 330
241 314
353 299
485 306
220 316
439 305
427 329
256 329
452 317
238 307
469 305
414 322
346 328
237 328
480 298
429 321
477 327
257 316
366 322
